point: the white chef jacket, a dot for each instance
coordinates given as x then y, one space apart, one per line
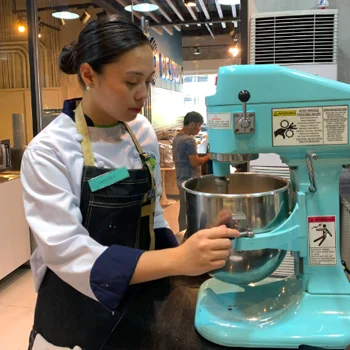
51 174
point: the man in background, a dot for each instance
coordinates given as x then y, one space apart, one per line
187 162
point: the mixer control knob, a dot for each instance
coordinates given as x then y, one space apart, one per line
244 96
244 123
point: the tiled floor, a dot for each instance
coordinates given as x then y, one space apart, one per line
17 300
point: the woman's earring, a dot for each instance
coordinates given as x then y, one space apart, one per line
88 88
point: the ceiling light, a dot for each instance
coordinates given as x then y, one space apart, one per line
21 28
65 15
234 35
190 3
234 51
84 17
21 23
229 2
142 8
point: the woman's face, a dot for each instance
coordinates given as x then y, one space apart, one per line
121 90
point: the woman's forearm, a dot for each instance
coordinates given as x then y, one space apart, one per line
155 264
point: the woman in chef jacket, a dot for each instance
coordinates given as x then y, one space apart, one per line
91 184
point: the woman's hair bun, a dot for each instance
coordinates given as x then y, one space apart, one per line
68 62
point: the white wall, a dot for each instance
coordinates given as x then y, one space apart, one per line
281 5
296 5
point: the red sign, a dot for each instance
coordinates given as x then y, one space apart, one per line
312 219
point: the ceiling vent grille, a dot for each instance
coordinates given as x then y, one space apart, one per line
285 38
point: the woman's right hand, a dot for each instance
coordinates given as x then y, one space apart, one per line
205 251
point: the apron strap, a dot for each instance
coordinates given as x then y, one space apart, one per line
147 210
84 132
151 208
143 156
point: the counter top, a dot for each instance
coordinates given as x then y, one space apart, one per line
169 322
6 176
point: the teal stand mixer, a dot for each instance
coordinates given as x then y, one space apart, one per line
304 119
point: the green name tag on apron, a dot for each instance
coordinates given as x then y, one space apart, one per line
108 179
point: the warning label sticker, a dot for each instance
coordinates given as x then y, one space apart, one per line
322 240
310 126
219 121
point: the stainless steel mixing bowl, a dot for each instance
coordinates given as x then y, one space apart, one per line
247 267
259 202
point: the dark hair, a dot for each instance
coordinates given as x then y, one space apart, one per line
193 117
101 42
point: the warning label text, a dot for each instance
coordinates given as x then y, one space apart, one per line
310 126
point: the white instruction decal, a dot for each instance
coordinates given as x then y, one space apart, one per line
310 126
219 121
335 125
322 241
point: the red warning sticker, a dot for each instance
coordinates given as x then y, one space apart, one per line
322 240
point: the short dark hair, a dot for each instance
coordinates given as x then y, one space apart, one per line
101 42
193 117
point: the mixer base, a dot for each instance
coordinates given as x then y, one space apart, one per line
274 313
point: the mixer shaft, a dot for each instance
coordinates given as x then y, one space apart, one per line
222 184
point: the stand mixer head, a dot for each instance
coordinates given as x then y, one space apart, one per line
304 119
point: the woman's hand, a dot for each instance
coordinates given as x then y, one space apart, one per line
205 251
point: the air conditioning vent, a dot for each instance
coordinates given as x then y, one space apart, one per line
286 38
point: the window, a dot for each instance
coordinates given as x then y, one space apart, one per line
188 79
196 88
202 78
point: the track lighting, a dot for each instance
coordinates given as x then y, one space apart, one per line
21 24
190 3
101 14
84 17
